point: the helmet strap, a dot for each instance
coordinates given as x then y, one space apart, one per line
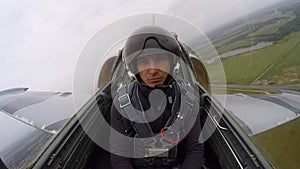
131 75
176 69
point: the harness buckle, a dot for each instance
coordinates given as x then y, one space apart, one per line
170 136
124 100
157 152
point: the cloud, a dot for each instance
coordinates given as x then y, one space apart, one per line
41 41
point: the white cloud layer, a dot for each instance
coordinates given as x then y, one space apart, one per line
40 41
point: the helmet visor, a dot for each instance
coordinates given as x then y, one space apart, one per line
136 44
155 54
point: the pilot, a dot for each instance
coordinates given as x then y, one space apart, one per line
158 111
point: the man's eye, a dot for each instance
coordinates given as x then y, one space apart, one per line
161 58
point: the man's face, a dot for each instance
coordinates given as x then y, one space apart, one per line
153 70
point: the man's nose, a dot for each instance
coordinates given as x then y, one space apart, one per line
152 63
152 66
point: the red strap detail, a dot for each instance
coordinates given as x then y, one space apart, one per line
166 138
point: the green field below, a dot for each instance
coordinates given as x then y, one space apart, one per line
270 26
281 144
261 71
277 64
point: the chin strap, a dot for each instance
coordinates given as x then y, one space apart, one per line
162 86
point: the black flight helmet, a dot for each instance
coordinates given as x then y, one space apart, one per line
150 41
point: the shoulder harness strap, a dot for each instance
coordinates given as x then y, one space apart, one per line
142 129
176 121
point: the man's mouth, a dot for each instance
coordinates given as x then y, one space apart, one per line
155 79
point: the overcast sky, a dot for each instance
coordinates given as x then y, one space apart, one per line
40 41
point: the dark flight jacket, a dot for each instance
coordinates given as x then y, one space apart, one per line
189 151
